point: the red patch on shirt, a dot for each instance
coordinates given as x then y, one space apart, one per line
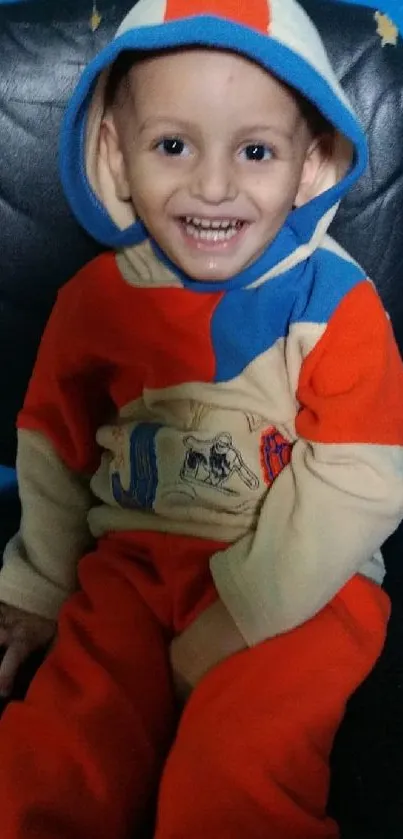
275 454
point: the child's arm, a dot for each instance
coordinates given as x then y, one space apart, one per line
40 561
56 454
341 496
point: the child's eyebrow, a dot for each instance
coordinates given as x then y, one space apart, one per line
249 130
151 123
154 122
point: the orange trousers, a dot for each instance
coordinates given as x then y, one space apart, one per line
96 745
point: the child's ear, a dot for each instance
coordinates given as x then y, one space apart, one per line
110 150
315 171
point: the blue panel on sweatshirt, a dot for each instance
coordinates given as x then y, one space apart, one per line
247 322
331 278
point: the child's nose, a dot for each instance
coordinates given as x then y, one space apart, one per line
214 180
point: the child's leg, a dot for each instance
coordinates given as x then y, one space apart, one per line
251 754
81 757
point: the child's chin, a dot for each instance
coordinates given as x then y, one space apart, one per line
210 270
210 276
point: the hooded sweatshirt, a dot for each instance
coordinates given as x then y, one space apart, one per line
265 410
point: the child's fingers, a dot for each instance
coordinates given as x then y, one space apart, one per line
16 653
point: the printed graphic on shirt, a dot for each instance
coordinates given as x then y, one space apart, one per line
275 454
143 469
155 466
213 462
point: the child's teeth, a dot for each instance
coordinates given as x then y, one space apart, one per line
212 234
211 224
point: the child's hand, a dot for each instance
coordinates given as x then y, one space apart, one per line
21 633
211 638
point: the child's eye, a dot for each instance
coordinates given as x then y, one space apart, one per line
257 152
173 146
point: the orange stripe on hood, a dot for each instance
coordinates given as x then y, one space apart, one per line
255 13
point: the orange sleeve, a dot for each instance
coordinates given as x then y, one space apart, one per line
351 384
67 397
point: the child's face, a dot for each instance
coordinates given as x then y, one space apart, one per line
213 152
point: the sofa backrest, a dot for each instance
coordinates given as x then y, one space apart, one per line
43 48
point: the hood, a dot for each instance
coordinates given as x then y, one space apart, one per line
278 35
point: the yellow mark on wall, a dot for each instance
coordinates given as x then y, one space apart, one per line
386 29
95 19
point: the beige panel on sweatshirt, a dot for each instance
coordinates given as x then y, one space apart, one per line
323 521
40 562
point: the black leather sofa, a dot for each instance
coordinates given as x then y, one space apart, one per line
43 47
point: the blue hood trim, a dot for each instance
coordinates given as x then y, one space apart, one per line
209 31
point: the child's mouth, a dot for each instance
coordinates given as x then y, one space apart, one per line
211 231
